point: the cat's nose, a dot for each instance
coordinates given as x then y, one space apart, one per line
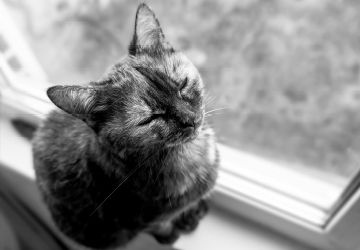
188 124
188 130
188 127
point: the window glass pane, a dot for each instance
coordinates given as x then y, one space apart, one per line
282 76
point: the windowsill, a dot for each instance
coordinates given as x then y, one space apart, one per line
218 230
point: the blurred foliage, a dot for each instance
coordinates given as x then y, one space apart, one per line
286 72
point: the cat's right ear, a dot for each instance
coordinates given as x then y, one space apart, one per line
75 100
148 34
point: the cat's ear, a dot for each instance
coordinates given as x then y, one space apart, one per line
148 33
75 100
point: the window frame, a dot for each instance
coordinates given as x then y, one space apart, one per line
340 232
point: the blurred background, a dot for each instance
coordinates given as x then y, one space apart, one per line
285 74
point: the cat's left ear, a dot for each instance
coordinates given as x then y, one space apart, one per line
76 100
148 33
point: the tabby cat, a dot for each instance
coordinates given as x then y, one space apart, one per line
131 152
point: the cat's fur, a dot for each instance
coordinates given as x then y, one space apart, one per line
132 152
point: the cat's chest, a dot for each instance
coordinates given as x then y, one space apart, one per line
187 172
183 173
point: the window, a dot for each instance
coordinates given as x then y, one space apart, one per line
283 84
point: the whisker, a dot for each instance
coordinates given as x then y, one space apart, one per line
170 202
214 110
208 116
120 184
209 100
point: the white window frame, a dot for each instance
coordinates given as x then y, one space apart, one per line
238 189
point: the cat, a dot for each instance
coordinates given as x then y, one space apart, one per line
131 152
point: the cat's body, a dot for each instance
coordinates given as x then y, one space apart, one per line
81 181
130 154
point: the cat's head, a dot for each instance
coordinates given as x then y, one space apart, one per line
152 96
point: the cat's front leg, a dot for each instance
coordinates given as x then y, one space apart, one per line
188 220
165 232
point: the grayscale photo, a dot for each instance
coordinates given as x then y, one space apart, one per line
179 125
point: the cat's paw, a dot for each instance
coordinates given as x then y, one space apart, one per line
167 239
189 220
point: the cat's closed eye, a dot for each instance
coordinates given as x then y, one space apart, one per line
181 90
187 93
183 84
154 115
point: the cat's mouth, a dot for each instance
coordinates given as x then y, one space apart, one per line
190 133
183 136
187 134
